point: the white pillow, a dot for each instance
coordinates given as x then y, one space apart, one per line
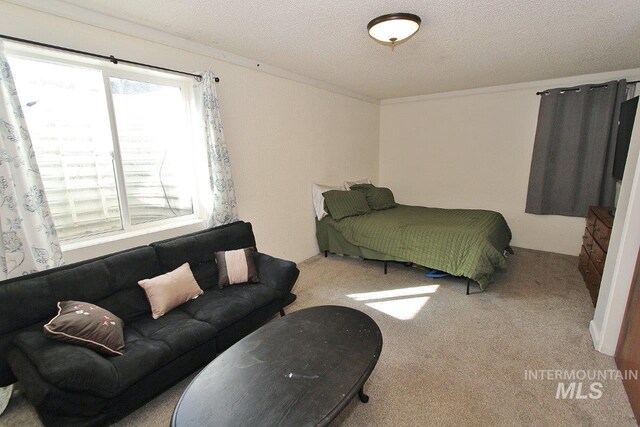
348 184
318 198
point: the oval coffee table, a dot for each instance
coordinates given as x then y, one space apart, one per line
298 370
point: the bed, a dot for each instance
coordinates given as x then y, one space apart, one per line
461 242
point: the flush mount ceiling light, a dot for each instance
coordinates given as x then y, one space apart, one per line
394 27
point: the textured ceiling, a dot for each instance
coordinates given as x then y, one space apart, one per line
462 44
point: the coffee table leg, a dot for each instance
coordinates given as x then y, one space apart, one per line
363 397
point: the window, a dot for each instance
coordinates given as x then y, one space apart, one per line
113 147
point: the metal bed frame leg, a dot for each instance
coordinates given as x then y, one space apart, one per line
468 283
326 254
385 267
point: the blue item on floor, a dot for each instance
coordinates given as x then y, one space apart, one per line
436 274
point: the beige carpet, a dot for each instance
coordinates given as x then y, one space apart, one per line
448 358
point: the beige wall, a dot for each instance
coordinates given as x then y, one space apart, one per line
471 151
452 150
282 135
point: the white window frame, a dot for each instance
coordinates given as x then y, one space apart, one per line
109 70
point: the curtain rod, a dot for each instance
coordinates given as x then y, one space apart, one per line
571 89
110 58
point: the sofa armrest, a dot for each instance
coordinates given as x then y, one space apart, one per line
276 273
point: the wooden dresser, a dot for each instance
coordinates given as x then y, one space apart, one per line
595 243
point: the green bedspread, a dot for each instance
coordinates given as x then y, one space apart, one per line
462 242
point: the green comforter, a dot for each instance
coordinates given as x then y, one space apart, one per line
462 242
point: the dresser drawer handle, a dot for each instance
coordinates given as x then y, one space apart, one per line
598 261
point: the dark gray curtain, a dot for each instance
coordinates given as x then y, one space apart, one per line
572 162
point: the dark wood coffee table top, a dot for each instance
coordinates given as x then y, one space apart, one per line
299 370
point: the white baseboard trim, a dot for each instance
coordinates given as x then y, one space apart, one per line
595 335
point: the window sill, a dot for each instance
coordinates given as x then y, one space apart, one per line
73 245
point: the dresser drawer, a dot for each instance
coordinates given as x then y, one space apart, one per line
598 257
595 243
593 279
591 220
583 262
601 234
587 241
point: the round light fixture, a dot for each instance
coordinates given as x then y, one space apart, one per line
394 27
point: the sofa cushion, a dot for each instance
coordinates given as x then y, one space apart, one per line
149 344
33 293
179 331
198 249
276 273
110 282
87 325
102 279
223 307
126 299
69 366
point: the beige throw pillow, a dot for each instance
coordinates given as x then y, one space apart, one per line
170 290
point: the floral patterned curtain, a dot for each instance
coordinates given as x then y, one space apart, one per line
28 239
224 209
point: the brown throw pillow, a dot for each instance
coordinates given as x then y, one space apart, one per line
167 291
236 267
87 325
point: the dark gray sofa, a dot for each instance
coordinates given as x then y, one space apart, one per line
73 385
